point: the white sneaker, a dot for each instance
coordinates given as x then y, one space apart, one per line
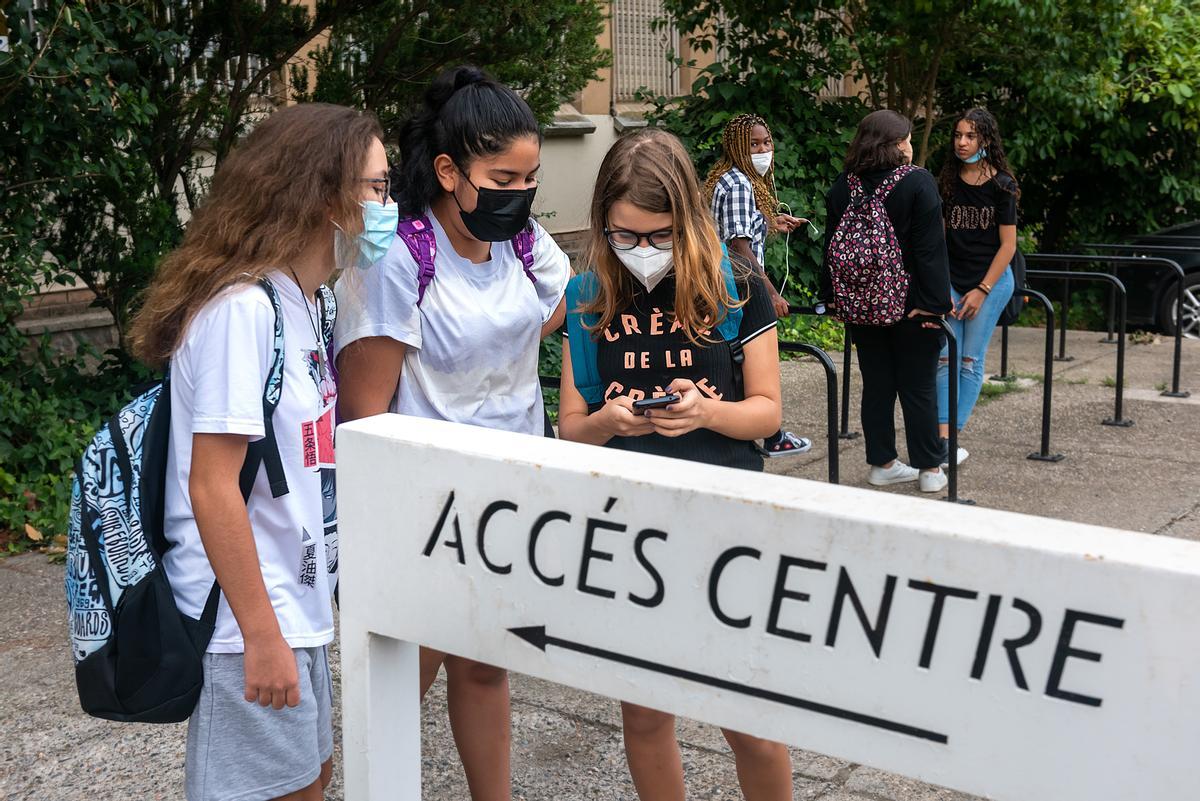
933 482
963 453
898 473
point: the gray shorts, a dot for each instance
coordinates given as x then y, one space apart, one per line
240 751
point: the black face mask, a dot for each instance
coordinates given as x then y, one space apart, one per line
499 215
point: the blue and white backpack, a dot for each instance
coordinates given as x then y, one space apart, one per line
582 289
137 658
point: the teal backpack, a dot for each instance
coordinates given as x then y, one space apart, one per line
582 290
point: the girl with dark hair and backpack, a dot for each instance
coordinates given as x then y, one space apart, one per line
979 200
885 269
740 190
662 314
239 314
448 324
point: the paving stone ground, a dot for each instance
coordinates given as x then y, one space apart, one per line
567 744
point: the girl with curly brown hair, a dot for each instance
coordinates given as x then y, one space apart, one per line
979 202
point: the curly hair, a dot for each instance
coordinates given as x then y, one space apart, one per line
988 131
279 188
735 152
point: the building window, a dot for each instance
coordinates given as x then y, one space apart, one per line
640 51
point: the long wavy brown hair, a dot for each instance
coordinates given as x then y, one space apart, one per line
652 170
296 171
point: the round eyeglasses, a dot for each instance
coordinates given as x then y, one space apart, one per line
621 239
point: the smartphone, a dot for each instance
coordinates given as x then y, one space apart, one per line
640 406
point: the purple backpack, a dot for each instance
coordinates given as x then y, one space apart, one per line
870 284
417 235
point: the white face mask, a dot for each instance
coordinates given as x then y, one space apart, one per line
762 161
649 265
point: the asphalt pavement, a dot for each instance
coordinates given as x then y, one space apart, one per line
566 743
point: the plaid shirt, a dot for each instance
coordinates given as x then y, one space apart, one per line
736 214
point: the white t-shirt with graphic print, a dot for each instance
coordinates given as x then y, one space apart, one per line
217 379
473 342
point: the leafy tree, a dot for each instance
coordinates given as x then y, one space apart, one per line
1100 109
1090 95
112 114
384 58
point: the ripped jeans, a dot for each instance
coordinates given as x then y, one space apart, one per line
973 336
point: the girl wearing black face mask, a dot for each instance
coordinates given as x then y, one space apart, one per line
447 325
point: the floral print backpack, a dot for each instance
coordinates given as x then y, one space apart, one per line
870 283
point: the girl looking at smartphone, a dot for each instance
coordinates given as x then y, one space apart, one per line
663 312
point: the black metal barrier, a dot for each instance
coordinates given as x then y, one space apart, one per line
1175 391
831 383
952 408
550 381
1118 403
1043 454
846 433
831 401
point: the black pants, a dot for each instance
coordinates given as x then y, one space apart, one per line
902 360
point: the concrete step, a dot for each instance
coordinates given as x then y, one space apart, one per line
87 319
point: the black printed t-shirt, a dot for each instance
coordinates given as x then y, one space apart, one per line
973 216
639 354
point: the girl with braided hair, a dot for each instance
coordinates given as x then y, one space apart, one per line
979 202
740 190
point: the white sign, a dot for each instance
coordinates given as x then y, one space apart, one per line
1015 657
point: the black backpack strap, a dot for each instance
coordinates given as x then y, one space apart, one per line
737 353
266 450
208 617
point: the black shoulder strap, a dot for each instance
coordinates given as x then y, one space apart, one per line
266 450
736 351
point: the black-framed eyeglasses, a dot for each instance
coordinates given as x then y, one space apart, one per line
382 188
621 239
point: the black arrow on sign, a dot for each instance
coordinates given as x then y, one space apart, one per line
538 638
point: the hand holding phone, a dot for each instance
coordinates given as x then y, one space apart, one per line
640 406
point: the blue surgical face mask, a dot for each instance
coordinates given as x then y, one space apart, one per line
981 153
379 228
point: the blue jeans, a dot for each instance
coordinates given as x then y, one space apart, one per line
973 337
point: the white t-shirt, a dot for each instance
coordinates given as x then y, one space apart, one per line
473 342
217 379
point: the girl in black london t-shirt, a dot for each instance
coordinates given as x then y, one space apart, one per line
979 205
660 294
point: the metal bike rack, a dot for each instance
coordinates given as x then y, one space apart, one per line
811 311
1043 454
1118 419
831 401
846 433
952 408
1129 261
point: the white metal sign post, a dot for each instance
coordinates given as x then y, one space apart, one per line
1015 657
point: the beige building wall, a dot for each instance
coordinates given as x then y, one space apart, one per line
569 167
586 128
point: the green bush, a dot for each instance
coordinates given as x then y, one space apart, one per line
50 406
